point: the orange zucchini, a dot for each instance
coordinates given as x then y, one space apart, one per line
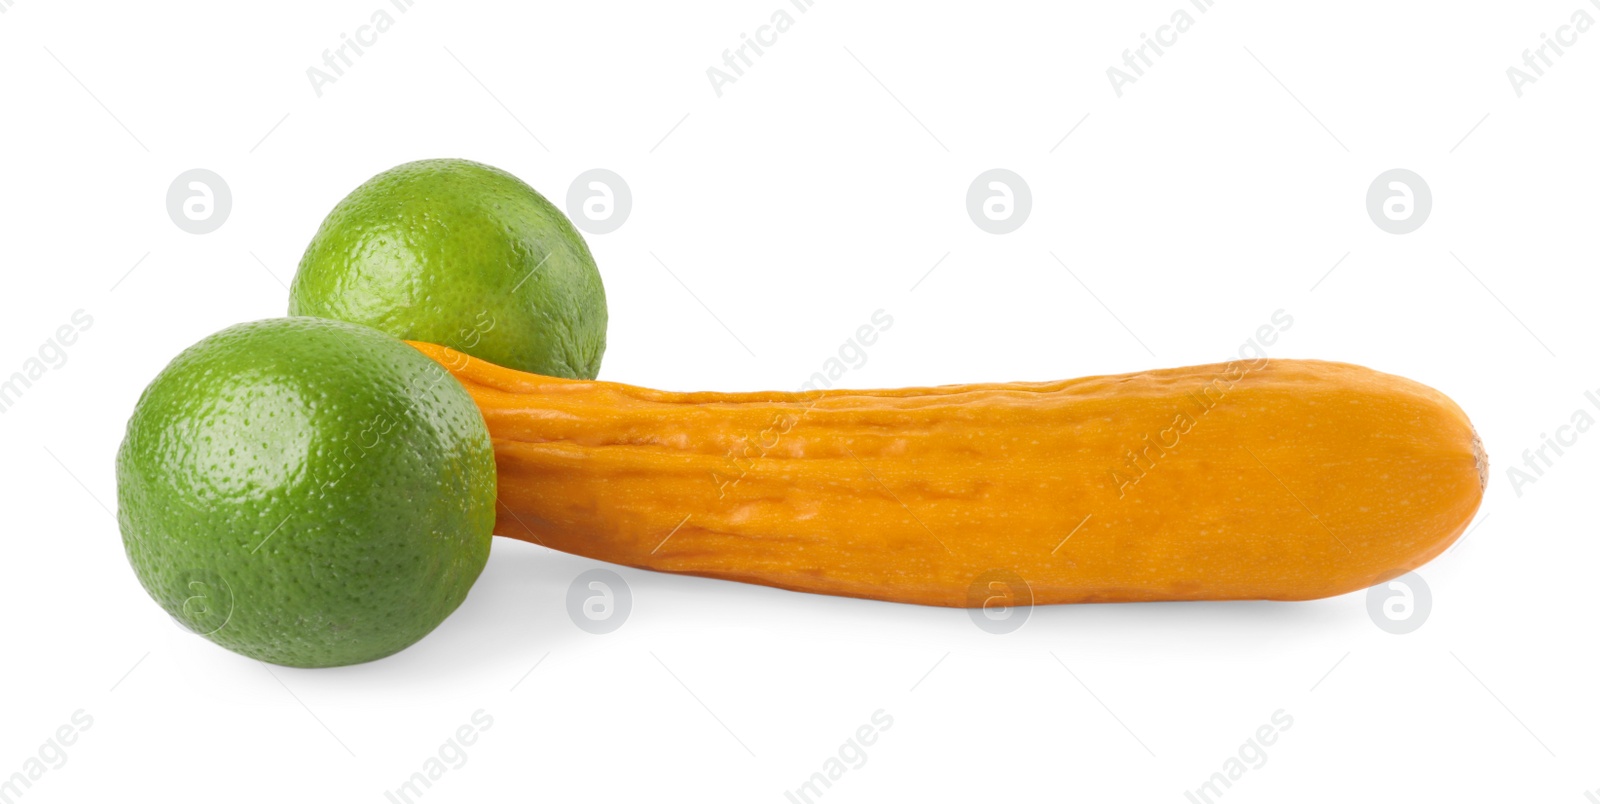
1258 479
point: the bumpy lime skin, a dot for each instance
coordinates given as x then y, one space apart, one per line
306 492
464 255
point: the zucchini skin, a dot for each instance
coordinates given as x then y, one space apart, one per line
1253 479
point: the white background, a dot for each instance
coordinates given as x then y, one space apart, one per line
767 225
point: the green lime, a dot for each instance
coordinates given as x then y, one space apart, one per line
306 492
464 255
